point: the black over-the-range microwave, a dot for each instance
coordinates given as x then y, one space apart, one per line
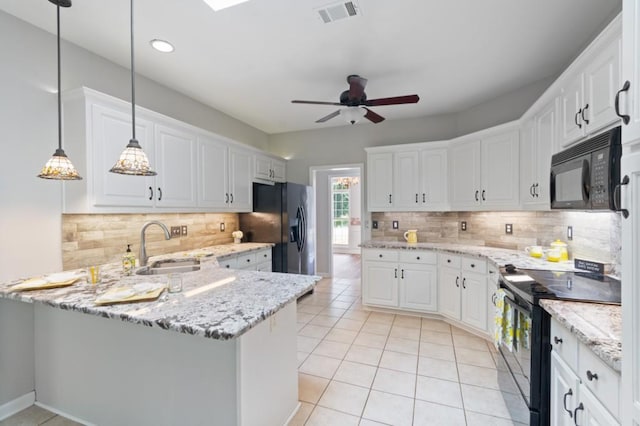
586 176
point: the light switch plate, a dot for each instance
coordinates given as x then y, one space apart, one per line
184 230
374 224
222 227
569 233
175 231
508 228
463 225
395 224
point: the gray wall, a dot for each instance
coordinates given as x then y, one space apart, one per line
345 144
30 208
17 375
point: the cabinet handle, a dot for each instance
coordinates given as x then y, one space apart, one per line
159 194
380 256
535 190
226 198
575 413
417 257
457 282
227 266
477 195
625 87
575 119
616 197
248 260
531 190
591 376
395 273
473 265
483 193
402 274
389 198
586 121
231 197
264 255
564 402
424 197
416 198
464 280
448 260
557 340
150 193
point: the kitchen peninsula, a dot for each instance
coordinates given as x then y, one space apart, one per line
222 351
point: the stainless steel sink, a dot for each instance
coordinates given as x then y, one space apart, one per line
170 266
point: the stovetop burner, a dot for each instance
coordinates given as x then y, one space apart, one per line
533 284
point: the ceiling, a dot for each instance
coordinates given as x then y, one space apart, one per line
251 60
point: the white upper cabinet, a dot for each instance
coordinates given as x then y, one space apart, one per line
269 169
406 180
240 183
484 172
380 181
587 95
433 179
213 158
629 93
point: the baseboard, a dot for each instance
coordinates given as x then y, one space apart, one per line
293 414
16 405
63 414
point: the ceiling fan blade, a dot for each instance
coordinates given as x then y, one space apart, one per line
396 100
372 116
356 87
316 103
329 117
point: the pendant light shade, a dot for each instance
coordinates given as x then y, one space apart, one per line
59 167
133 160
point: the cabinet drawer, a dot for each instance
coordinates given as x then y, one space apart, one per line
229 262
474 265
565 344
263 255
421 257
449 260
604 382
264 267
246 261
380 255
493 273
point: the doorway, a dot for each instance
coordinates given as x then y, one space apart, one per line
340 218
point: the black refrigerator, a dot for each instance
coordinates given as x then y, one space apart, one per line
283 214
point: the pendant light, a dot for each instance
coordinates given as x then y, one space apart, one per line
59 167
133 160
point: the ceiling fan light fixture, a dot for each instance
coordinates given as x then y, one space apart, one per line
217 5
352 114
162 45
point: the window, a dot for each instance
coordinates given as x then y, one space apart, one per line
341 217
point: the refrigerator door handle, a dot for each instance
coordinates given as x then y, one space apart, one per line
303 228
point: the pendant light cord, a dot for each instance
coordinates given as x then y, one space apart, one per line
133 82
59 95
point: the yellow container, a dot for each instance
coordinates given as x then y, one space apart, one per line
411 236
561 246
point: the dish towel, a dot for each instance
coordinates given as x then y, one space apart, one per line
500 319
524 331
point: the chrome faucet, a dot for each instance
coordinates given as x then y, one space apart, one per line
143 250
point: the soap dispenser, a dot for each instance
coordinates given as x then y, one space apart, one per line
128 261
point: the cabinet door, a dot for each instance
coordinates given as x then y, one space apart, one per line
418 287
630 101
593 412
176 183
546 140
602 81
630 404
449 292
500 170
528 164
433 179
380 283
406 180
380 181
110 132
263 167
571 103
564 392
278 170
474 300
213 182
464 175
240 182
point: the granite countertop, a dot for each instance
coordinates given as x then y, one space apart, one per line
215 302
596 325
226 250
498 256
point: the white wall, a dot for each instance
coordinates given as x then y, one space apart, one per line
30 208
17 370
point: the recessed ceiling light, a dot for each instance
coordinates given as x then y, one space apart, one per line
222 4
162 45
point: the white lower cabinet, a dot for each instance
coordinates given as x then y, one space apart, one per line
463 290
404 279
259 260
584 390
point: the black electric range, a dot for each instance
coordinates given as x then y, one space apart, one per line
529 357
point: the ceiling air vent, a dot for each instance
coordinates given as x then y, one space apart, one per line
336 11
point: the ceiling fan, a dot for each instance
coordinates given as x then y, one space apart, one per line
356 102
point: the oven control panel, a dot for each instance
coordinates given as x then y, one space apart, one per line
599 192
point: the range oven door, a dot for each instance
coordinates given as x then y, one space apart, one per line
570 183
517 353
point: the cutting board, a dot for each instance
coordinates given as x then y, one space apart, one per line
44 283
127 295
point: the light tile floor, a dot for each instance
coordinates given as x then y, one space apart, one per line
35 416
357 367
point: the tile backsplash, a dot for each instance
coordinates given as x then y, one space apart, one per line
596 235
92 239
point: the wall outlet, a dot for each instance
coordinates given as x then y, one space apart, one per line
222 227
395 224
184 230
463 225
569 233
508 228
175 231
374 224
